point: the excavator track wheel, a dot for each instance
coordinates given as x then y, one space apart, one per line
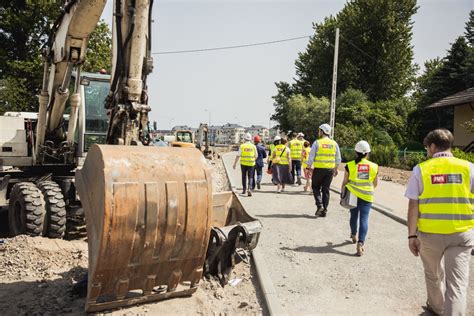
26 210
55 223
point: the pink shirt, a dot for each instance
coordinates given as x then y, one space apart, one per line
415 184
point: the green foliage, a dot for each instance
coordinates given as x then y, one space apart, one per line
458 153
24 30
99 49
412 159
380 123
305 114
375 50
384 155
442 78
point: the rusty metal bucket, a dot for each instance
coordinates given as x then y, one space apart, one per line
149 216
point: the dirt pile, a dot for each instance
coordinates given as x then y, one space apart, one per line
219 178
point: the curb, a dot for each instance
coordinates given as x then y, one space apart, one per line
381 209
269 293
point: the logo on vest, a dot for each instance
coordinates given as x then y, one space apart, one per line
449 178
363 171
327 146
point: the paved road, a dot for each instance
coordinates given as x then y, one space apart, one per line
312 262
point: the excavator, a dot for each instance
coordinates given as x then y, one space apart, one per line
154 225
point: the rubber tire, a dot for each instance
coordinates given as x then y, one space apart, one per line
27 199
55 223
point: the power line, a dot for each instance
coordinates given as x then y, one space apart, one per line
230 47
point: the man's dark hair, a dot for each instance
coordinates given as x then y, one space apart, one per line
442 138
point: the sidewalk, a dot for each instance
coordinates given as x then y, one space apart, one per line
312 263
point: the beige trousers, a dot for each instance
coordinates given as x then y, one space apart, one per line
447 280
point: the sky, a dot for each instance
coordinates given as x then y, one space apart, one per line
236 85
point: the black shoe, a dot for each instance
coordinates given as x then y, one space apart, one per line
243 192
298 181
319 211
323 213
249 193
258 185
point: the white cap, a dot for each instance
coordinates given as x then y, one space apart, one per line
325 128
277 138
248 136
362 147
300 135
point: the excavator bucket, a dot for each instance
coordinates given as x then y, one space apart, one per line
149 218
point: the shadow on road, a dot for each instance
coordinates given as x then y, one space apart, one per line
329 248
287 216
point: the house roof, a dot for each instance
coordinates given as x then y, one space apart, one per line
460 98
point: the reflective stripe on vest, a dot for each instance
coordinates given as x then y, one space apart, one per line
278 153
296 146
326 155
361 179
248 154
307 150
446 203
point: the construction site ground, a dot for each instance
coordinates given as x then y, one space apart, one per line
37 274
312 262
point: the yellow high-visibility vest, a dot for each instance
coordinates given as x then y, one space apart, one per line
296 146
248 154
272 149
307 150
278 153
445 206
361 179
326 155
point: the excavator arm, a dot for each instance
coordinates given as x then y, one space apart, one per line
154 225
66 52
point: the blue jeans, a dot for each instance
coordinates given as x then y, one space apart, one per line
361 214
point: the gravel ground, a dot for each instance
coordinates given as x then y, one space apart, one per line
37 274
313 264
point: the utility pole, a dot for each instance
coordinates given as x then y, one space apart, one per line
334 84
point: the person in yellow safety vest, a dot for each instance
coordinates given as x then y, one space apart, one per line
296 147
360 178
323 160
441 223
247 155
304 158
281 173
276 141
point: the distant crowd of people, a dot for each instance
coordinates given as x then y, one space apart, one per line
440 192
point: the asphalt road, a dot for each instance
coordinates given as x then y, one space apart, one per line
313 264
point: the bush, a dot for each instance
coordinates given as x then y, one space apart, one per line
413 159
347 154
384 155
458 153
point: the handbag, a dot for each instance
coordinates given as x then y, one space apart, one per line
348 199
278 159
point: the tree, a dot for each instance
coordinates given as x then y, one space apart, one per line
99 49
306 114
24 26
375 53
24 30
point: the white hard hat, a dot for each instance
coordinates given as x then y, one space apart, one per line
300 135
325 128
248 136
362 147
277 138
